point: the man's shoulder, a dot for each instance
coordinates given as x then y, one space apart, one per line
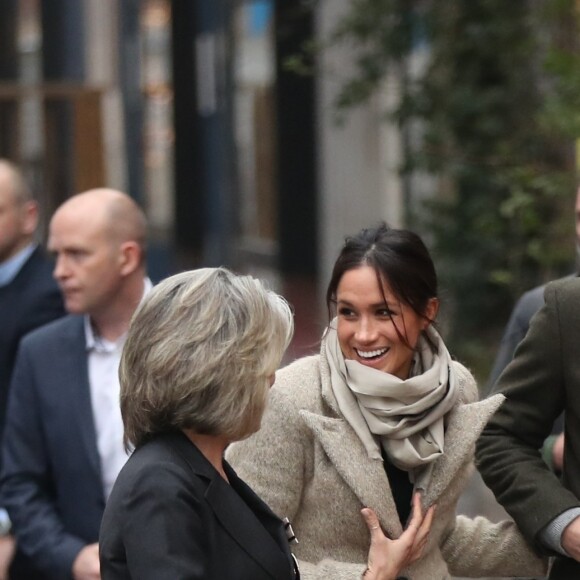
38 265
532 300
70 325
34 281
564 290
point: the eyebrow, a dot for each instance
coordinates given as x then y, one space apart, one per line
377 305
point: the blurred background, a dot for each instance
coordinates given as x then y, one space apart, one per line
258 133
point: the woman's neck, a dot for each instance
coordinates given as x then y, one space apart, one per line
212 447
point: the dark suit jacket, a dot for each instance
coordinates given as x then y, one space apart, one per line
541 382
172 516
29 301
51 479
528 304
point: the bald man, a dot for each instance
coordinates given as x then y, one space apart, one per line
63 445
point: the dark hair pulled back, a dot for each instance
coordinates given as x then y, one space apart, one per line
399 258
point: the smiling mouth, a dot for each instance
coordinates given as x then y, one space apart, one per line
371 354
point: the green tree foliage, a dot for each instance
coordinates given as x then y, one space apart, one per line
498 106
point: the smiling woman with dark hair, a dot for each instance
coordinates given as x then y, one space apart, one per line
381 418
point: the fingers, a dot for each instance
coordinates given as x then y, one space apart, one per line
423 531
428 520
372 522
421 526
417 512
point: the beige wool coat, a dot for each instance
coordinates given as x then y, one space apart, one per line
308 464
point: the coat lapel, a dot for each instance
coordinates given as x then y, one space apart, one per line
245 528
75 377
235 515
365 477
347 454
464 426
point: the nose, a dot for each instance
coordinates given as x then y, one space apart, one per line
60 267
366 331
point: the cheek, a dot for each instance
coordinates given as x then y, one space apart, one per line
343 334
395 332
414 334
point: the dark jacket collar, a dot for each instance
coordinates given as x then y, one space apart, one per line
248 520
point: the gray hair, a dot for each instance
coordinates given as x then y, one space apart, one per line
199 354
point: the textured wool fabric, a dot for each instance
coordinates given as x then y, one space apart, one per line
405 415
308 464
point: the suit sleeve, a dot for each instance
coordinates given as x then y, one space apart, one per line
508 450
275 462
27 492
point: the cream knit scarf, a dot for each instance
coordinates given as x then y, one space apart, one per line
405 416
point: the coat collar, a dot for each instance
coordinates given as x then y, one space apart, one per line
367 478
248 520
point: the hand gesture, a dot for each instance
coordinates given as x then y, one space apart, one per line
388 557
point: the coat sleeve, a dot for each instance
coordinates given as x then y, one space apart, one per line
508 453
478 547
27 492
276 461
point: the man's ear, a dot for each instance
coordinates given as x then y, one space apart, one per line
29 217
131 256
431 312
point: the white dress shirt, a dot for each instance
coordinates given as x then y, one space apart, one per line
103 362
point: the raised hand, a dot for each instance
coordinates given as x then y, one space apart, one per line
388 557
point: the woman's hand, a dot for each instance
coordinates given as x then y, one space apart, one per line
388 557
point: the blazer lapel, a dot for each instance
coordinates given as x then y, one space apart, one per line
464 426
365 477
245 528
75 377
236 517
267 517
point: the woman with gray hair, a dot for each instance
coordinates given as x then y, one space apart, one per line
195 373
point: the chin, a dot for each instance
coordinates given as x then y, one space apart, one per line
73 308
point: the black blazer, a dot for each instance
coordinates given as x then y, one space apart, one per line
172 516
29 301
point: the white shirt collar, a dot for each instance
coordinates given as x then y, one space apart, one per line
10 268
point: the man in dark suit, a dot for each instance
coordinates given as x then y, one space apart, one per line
539 384
29 296
63 443
517 327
